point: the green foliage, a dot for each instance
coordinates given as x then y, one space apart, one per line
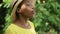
6 2
47 16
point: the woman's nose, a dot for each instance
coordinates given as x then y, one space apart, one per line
33 8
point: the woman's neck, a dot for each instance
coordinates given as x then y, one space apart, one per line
23 22
22 19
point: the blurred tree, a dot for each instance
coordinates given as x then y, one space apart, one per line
2 18
3 12
47 15
1 1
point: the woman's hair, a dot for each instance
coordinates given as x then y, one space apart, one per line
19 6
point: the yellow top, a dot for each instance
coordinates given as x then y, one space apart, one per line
14 29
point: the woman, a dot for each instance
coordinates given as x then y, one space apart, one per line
22 10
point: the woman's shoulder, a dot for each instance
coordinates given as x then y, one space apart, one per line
31 23
9 29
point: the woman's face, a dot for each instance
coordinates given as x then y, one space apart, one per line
26 9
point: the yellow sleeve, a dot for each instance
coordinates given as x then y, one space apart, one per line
8 31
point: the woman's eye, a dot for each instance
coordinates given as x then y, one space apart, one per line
27 4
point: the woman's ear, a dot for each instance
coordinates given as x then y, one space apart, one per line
19 10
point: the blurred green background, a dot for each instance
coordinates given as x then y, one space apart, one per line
46 20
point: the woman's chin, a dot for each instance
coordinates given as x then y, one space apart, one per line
31 16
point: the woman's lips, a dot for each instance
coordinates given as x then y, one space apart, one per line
32 12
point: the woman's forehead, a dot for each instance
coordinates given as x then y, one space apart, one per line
27 0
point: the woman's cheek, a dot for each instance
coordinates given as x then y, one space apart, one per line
23 7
